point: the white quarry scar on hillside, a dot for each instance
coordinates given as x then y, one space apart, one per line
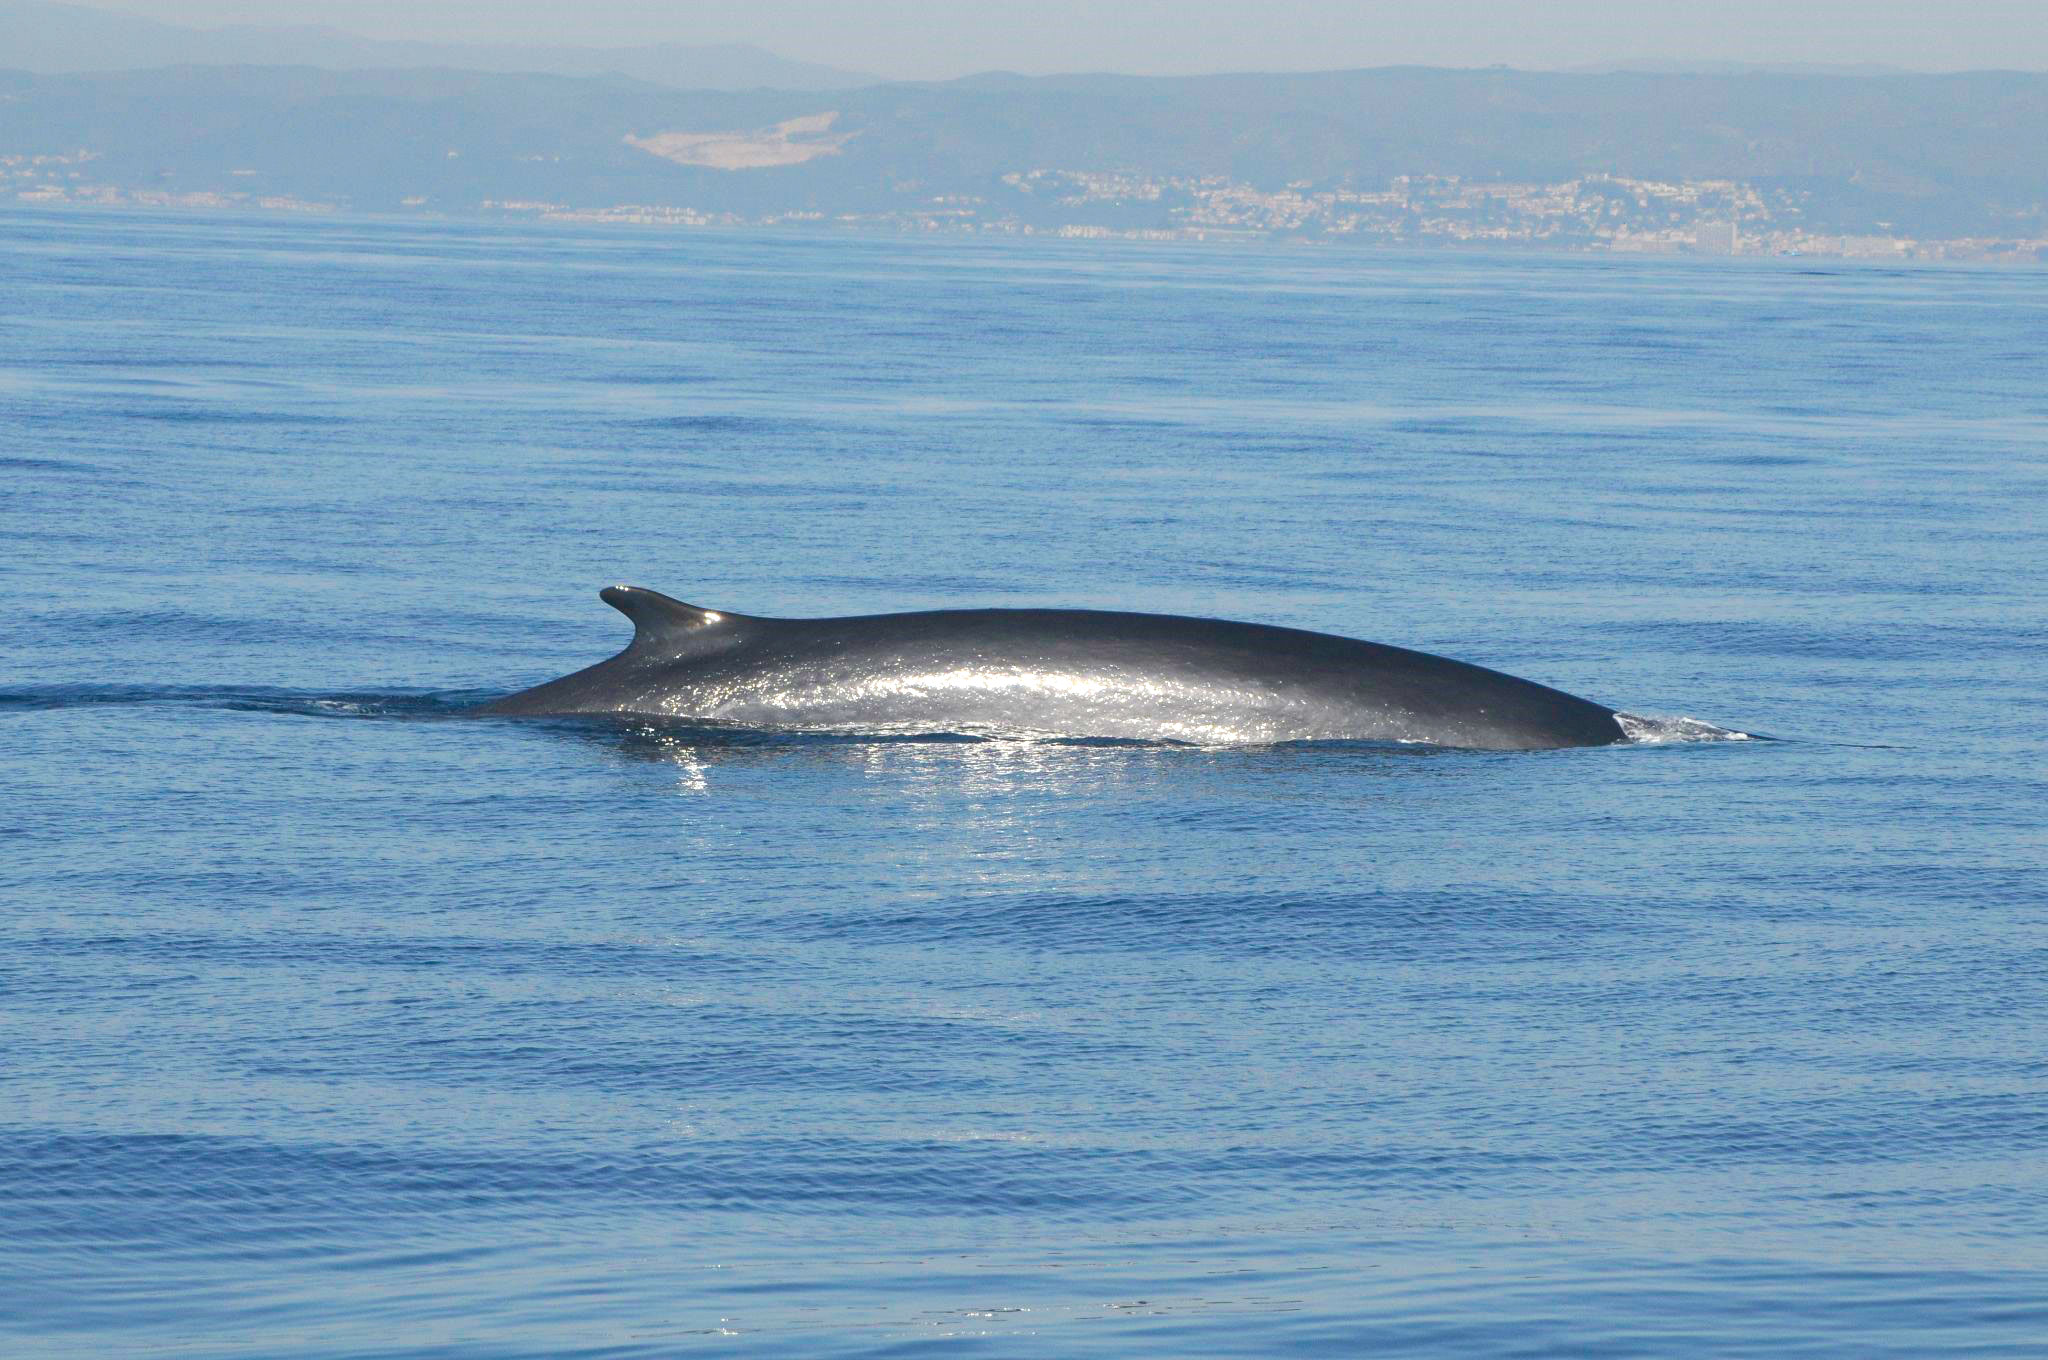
791 142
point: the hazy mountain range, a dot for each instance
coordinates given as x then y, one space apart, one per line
52 38
56 38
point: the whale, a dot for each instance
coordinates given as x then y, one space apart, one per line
1067 673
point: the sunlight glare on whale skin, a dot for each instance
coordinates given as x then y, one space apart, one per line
1019 701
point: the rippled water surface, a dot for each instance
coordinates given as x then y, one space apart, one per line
334 1022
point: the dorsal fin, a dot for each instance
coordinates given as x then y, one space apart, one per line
657 618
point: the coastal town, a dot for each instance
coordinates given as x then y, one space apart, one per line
1603 212
1591 213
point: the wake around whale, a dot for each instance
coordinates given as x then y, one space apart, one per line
1055 672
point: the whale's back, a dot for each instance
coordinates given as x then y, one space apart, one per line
1077 673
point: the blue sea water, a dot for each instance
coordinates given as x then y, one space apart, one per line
334 1023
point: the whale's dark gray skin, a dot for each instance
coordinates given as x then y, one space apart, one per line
1058 672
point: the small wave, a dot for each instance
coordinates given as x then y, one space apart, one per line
1655 731
247 699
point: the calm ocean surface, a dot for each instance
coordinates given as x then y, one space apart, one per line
335 1024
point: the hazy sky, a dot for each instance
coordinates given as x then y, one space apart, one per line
930 39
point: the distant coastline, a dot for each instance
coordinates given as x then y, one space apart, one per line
2033 253
1874 167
